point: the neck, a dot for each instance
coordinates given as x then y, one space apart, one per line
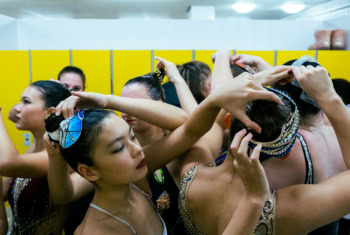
312 121
38 139
227 165
150 135
114 199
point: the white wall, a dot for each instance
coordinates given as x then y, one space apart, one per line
8 33
62 34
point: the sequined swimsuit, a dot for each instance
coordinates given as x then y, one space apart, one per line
164 195
31 208
265 226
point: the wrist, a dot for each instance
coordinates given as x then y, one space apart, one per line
108 101
177 79
328 102
257 200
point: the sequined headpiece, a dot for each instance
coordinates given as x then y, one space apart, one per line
69 130
285 141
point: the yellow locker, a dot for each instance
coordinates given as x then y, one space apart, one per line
14 78
176 56
48 64
129 64
284 56
205 57
336 62
97 69
268 56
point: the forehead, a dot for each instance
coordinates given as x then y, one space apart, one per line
72 79
112 127
32 93
135 91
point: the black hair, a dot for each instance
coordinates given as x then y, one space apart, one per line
82 150
194 73
51 92
236 70
73 69
152 82
269 115
342 87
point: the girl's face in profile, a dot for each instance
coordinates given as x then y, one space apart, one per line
31 111
117 155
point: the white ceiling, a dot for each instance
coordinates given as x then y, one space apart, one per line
151 9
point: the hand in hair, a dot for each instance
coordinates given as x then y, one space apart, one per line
279 74
253 61
81 100
249 168
171 71
52 148
234 95
315 82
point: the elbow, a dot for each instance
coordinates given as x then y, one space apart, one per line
183 118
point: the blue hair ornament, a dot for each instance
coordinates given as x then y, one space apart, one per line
70 129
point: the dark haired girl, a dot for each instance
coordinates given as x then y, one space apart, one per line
114 160
234 198
28 192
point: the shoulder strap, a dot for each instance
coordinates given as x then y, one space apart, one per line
308 162
115 217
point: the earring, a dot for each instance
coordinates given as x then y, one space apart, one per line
323 40
338 39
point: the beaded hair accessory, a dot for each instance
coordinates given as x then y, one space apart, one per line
285 141
245 67
69 130
159 74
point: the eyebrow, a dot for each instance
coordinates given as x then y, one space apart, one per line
117 139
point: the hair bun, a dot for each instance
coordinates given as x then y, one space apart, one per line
52 123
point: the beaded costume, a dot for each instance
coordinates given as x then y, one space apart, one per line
164 195
266 223
31 208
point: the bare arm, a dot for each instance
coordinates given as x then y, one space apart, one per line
13 164
187 101
156 113
232 96
302 208
64 187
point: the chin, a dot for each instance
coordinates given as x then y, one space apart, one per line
143 172
18 126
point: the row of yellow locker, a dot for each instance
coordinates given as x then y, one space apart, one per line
107 71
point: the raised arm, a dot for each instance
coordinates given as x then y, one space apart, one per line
232 96
64 187
303 208
187 101
13 164
154 112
